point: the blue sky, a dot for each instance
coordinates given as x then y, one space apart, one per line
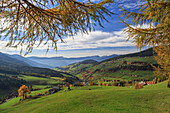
103 41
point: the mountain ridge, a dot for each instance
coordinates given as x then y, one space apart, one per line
28 61
62 61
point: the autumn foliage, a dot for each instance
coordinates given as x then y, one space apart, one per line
22 91
155 14
138 86
49 20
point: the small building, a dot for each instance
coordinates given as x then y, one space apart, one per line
142 82
54 90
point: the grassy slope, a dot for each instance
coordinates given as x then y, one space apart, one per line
36 82
103 68
151 99
39 80
16 100
106 68
77 67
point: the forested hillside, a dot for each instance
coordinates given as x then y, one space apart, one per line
14 73
128 67
144 53
11 65
28 61
9 84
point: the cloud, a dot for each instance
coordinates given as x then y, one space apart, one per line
95 39
133 5
85 52
81 45
129 4
2 34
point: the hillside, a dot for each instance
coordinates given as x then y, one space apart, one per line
28 61
144 53
133 66
110 99
9 84
77 68
11 65
6 61
13 71
62 61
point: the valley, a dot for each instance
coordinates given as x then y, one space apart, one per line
95 86
125 67
84 56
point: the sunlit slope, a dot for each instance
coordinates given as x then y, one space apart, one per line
77 68
14 101
151 99
128 67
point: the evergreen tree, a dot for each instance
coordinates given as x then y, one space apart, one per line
36 22
154 13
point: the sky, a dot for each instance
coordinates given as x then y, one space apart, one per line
103 41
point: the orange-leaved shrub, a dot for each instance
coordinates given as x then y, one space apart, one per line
22 91
138 86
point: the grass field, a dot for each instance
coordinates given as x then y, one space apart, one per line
106 99
105 69
39 82
16 100
139 59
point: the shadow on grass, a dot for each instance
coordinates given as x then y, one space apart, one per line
26 100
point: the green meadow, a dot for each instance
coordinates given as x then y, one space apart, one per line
115 68
96 99
39 82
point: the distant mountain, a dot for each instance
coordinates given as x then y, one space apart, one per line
6 60
11 68
11 65
28 61
144 53
61 61
8 64
88 62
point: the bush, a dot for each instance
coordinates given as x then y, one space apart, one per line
115 84
96 84
45 92
109 84
91 83
78 84
100 84
168 83
29 96
138 86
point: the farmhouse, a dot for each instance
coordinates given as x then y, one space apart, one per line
54 90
